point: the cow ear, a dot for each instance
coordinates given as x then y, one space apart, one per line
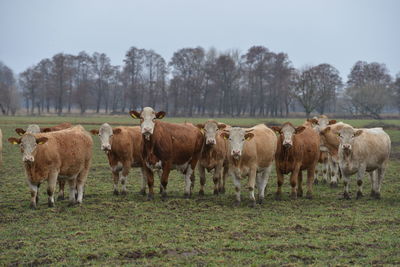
221 126
20 131
357 133
46 130
248 136
225 135
160 115
134 114
299 129
332 122
41 140
14 140
200 125
94 132
326 130
117 131
276 129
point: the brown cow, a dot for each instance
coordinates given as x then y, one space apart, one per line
46 156
1 148
33 129
251 154
174 146
297 150
123 146
213 156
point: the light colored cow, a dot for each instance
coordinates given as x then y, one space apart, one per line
213 156
251 154
123 146
66 153
360 151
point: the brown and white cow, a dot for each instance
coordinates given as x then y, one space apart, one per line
361 151
46 156
174 146
297 150
213 156
33 129
251 154
123 146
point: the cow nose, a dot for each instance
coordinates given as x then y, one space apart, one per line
287 144
146 130
210 142
106 147
236 152
347 146
28 159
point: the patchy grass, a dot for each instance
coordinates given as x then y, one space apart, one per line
209 230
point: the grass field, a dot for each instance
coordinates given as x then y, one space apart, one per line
209 230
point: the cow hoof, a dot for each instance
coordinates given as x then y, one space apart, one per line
164 196
222 190
186 195
32 206
334 185
150 197
237 203
216 192
60 197
124 193
260 200
161 189
324 181
309 195
71 204
299 193
346 195
252 204
377 195
116 193
359 195
278 196
50 204
142 192
201 193
316 181
293 195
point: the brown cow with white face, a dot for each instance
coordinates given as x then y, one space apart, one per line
123 147
251 153
297 150
46 156
213 156
174 146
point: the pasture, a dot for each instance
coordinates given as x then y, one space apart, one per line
204 230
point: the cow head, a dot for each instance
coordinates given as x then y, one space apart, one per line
28 144
32 128
346 138
237 136
147 120
105 134
322 123
210 129
287 131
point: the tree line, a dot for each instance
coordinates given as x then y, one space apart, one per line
197 82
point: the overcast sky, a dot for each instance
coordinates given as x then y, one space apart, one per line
338 32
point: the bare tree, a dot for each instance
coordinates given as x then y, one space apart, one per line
8 91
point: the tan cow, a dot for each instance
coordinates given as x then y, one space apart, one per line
251 154
46 156
123 146
360 151
297 150
213 156
1 148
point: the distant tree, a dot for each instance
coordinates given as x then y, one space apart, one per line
84 80
60 78
102 71
29 81
133 72
9 96
369 88
396 89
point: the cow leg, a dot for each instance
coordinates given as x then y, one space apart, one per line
310 178
325 172
51 187
222 181
300 184
164 179
293 181
188 181
318 172
124 177
37 195
150 182
116 175
380 175
262 181
61 186
81 180
144 182
202 173
34 192
334 173
251 185
72 191
373 176
236 182
346 181
279 181
217 179
360 177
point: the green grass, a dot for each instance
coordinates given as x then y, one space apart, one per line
209 230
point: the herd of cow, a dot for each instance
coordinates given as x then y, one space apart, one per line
63 153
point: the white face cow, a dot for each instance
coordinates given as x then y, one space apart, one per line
105 134
147 120
28 145
287 131
32 129
210 129
346 138
237 136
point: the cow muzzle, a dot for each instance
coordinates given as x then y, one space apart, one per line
106 148
346 147
287 144
28 159
236 154
210 142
